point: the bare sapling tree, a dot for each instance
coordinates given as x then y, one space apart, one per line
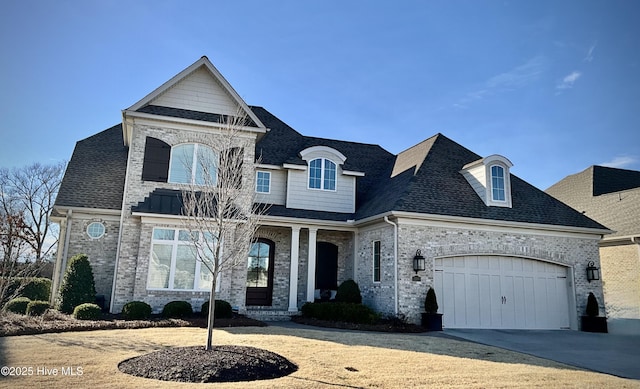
219 205
26 199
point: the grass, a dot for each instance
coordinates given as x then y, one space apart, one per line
326 358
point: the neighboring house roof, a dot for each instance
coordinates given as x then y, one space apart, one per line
95 175
609 195
425 179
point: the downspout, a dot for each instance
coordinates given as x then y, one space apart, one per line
395 260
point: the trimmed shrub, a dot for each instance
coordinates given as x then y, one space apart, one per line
35 288
430 302
78 286
87 311
222 310
592 306
177 309
17 305
136 310
346 312
37 308
349 292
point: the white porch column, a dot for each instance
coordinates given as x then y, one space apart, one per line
311 272
293 274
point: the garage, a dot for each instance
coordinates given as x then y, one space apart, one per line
501 292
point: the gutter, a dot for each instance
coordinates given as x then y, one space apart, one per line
395 261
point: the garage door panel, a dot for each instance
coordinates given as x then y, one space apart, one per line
502 292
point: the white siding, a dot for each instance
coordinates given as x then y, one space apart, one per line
301 197
477 178
200 91
278 188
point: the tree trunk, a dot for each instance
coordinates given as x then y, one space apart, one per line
211 317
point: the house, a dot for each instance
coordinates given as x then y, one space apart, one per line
499 252
612 197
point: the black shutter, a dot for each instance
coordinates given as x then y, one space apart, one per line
156 160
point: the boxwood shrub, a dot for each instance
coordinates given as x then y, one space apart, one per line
37 308
17 305
34 288
177 309
223 310
336 311
87 311
349 292
136 310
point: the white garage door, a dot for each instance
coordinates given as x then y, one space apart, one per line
501 292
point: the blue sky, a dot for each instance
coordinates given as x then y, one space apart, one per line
552 85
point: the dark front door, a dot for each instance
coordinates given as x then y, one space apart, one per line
326 266
260 273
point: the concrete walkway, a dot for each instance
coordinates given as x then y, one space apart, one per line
618 355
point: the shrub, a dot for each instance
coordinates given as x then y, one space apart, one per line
222 310
349 292
430 302
17 305
136 310
78 286
346 312
177 309
35 288
592 305
87 311
37 308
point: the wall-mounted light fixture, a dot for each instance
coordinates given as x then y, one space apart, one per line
418 262
593 273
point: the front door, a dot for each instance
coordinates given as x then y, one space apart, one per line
326 266
260 273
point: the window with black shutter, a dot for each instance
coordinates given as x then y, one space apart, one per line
156 160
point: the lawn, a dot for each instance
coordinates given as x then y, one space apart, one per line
325 358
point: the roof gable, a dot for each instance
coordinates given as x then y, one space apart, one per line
200 88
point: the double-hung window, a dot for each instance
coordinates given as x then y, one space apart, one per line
179 260
497 183
193 163
322 174
263 182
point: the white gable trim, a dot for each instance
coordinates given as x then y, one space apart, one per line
204 61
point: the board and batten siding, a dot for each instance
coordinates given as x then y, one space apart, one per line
299 195
198 92
277 187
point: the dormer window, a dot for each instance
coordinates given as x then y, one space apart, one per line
193 163
322 174
497 183
490 179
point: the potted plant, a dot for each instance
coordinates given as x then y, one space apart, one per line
592 322
431 319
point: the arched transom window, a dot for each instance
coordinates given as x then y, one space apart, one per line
322 174
497 183
193 163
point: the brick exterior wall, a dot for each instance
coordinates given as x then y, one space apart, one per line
621 283
572 251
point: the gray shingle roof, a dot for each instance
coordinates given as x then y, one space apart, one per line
94 177
609 195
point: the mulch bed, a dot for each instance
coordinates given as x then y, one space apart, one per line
221 364
380 326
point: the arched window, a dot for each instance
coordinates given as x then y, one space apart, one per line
497 183
322 174
193 163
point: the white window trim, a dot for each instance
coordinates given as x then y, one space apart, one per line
194 164
507 186
504 183
373 261
104 230
269 187
174 250
322 170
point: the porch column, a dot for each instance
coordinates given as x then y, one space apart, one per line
293 274
311 273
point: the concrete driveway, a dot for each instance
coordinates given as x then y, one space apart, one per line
618 355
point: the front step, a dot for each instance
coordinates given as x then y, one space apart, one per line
269 314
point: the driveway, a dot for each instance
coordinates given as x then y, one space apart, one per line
618 355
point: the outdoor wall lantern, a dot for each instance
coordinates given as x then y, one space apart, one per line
593 273
418 262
